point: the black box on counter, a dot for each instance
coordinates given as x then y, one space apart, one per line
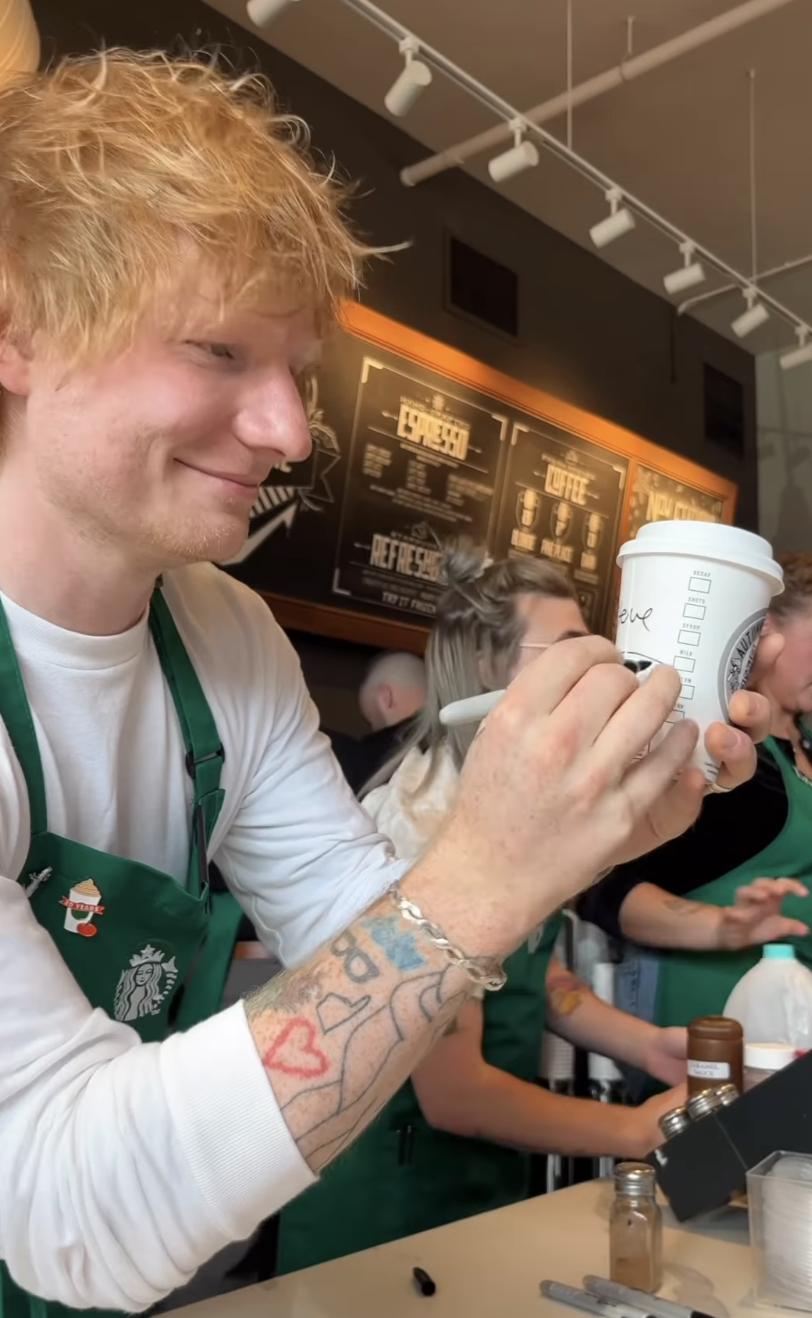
702 1167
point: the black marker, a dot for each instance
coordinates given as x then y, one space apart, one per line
423 1281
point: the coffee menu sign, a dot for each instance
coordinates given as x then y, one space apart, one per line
415 444
562 501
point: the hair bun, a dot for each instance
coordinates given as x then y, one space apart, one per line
463 563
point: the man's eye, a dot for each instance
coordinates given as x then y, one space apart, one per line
220 350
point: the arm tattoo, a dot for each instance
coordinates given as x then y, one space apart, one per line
339 1037
358 965
683 908
565 992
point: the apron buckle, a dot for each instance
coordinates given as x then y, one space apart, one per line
192 763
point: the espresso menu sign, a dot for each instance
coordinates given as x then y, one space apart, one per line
562 502
656 497
423 468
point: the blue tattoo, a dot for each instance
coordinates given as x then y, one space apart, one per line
397 945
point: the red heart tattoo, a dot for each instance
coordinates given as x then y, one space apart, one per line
293 1052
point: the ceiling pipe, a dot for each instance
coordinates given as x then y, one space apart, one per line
634 67
786 268
508 113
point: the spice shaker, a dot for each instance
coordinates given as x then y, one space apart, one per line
703 1104
635 1228
674 1122
727 1094
715 1053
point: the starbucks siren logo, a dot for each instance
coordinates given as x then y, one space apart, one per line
738 657
146 982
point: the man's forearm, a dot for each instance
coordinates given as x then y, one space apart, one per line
338 1037
655 918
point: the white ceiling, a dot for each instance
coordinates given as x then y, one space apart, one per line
677 137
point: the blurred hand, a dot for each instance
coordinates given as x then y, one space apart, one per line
666 1058
756 917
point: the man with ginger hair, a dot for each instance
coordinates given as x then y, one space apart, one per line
169 260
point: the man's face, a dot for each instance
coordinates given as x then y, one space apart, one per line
546 620
158 453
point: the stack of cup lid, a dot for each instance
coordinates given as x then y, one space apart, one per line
787 1228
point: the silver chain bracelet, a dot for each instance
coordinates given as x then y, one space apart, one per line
485 971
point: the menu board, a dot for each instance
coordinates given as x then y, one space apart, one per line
424 465
562 502
656 497
415 444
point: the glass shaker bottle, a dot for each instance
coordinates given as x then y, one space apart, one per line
635 1228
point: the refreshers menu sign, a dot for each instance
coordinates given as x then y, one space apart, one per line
423 468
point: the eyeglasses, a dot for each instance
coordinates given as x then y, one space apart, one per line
536 645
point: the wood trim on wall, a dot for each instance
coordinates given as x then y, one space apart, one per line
390 633
344 625
456 365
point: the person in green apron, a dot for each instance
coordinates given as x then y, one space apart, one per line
742 876
459 1137
169 261
78 893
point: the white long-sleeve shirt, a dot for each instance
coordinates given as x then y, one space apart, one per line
124 1166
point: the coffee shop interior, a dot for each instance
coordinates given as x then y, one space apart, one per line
573 395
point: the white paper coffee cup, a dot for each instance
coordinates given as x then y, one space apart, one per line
694 595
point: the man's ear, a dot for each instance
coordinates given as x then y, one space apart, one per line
15 366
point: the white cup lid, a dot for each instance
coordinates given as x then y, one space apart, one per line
728 544
768 1056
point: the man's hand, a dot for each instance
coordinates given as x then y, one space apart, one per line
749 711
733 747
666 1056
756 918
555 786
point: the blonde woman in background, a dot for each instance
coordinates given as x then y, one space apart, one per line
457 1139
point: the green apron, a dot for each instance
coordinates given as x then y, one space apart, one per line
130 935
402 1176
695 984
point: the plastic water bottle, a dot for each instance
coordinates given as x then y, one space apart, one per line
773 1001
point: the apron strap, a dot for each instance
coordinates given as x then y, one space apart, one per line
15 712
204 749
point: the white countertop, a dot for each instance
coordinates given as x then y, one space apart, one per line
490 1267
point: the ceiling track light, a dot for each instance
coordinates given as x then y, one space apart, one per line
263 12
755 315
522 155
800 355
619 221
414 79
692 272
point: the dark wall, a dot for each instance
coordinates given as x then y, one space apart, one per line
587 334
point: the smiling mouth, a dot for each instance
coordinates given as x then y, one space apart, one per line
248 484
